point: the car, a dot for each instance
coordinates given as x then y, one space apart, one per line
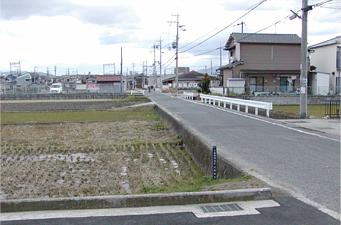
56 88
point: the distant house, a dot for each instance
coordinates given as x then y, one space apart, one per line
269 63
326 57
24 80
108 84
189 80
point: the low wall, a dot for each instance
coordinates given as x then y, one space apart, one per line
200 151
143 200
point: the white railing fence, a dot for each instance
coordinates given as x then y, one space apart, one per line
137 92
188 95
217 100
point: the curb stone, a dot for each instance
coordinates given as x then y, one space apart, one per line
124 201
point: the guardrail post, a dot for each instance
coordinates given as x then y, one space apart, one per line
230 105
246 109
224 104
268 113
256 111
238 107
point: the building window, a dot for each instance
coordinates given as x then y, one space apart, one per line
256 84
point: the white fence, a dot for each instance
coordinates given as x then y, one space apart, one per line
137 92
216 100
188 95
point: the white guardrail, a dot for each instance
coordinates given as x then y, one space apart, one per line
188 95
217 100
137 92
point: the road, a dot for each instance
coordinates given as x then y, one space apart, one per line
305 164
290 212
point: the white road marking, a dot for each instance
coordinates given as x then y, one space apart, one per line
294 193
249 208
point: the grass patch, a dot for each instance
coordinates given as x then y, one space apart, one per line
193 184
316 111
140 113
132 99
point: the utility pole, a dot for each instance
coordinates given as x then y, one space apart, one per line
133 75
177 55
177 51
121 72
143 74
304 64
211 68
154 68
160 46
55 70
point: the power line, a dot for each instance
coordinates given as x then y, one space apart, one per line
221 30
166 66
169 59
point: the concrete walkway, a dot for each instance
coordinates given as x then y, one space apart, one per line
325 126
304 162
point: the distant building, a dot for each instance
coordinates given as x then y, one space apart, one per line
182 70
269 63
108 84
189 80
326 57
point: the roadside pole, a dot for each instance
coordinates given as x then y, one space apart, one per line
304 64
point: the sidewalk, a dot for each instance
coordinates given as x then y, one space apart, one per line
327 126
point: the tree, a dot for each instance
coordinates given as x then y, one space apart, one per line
205 84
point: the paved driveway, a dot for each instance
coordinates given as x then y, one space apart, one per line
307 165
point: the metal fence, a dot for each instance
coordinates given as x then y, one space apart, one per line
332 108
271 91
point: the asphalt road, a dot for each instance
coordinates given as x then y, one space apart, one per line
306 165
290 212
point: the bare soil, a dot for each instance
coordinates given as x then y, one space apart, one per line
86 159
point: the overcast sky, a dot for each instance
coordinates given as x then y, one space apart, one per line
85 34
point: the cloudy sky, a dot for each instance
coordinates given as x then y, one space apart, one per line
82 35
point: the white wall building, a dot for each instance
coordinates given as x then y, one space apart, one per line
326 57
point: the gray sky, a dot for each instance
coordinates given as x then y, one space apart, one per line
84 34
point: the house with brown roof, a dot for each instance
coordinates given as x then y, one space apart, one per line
269 63
189 80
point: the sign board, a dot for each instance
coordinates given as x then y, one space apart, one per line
302 90
214 162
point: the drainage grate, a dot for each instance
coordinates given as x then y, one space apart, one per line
221 208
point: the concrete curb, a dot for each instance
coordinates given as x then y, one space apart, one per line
143 200
199 146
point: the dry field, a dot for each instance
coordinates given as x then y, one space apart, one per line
86 159
90 153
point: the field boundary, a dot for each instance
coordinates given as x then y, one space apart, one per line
124 201
199 149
